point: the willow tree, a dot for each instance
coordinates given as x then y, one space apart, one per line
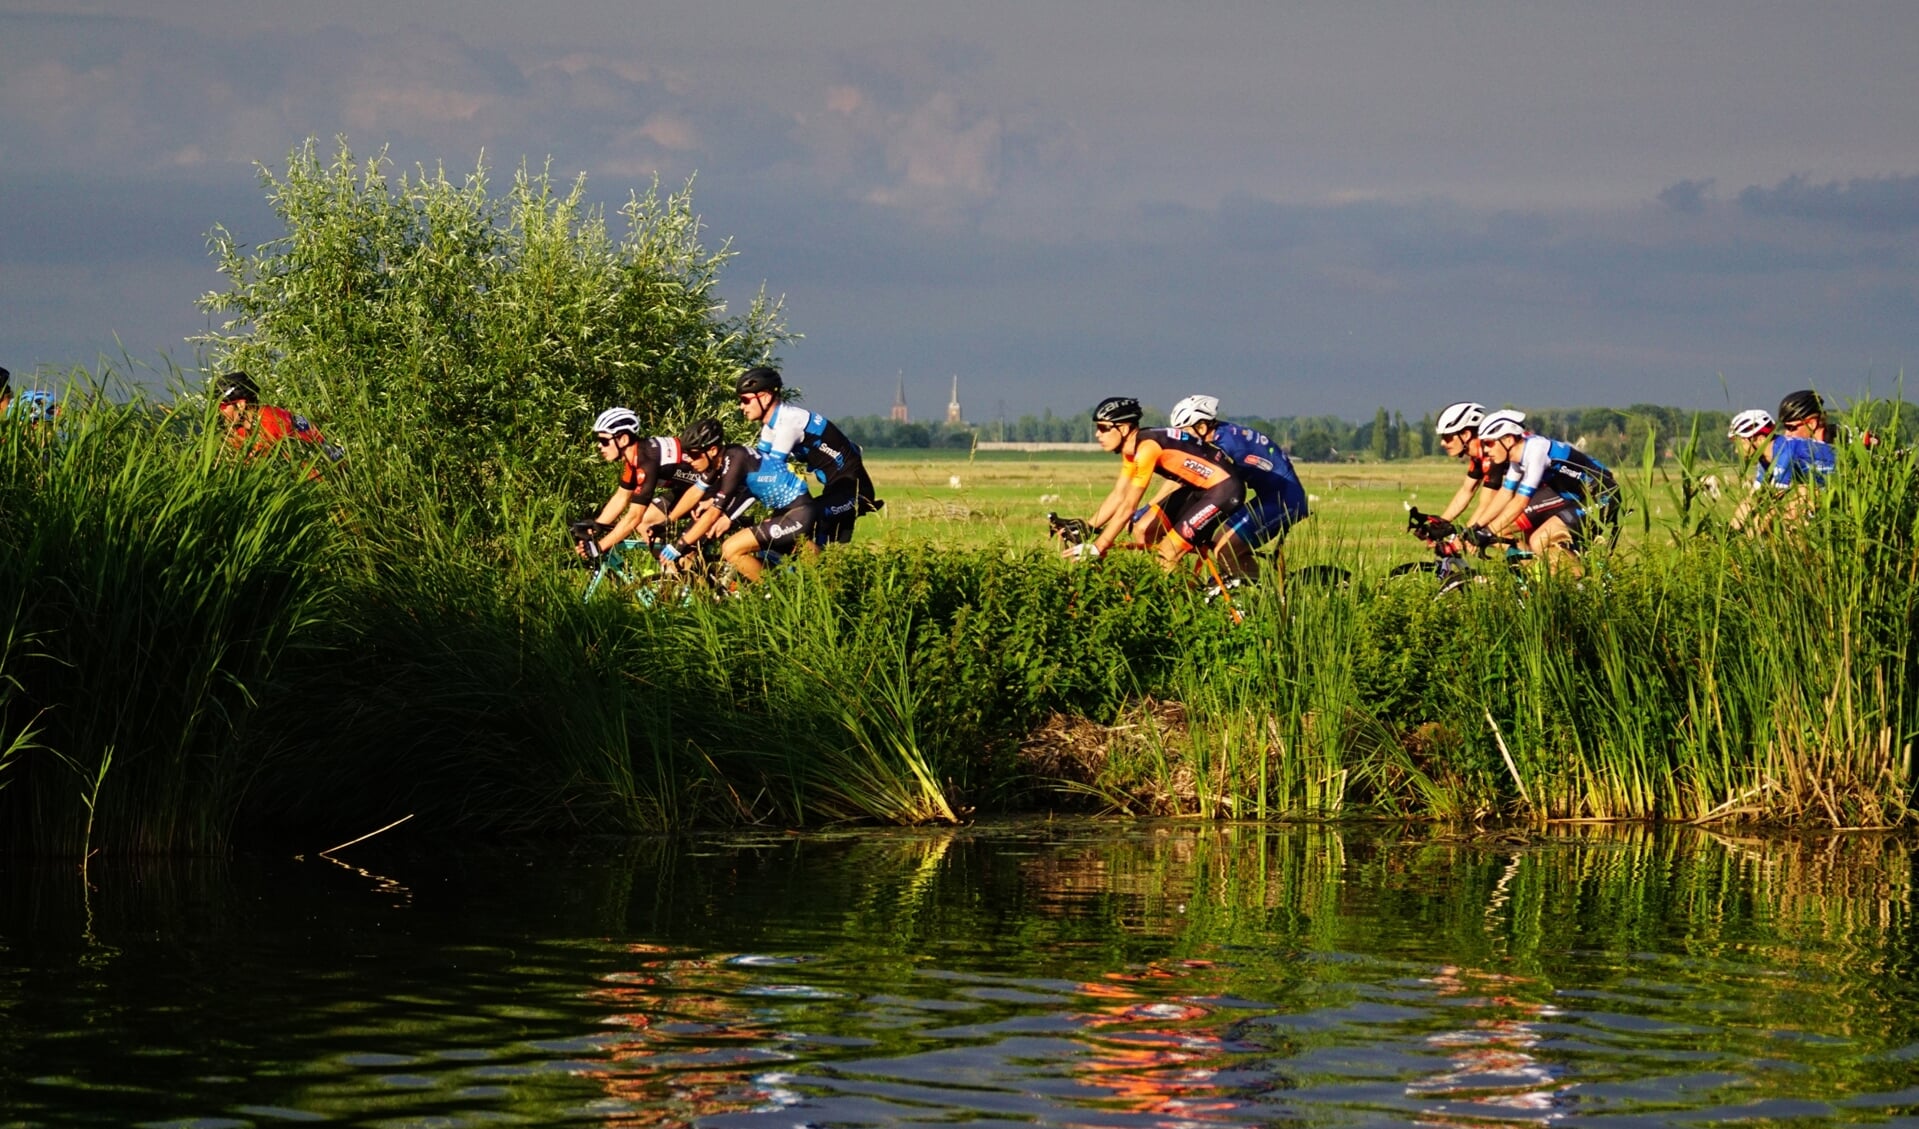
469 337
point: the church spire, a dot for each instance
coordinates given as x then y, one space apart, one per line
899 402
952 406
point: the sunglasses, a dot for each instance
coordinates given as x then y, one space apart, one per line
1103 428
603 440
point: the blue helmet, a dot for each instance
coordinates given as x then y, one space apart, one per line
36 404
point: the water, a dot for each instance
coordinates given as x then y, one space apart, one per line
1079 974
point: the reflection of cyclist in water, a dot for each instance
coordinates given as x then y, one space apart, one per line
1493 1077
1147 1055
676 1014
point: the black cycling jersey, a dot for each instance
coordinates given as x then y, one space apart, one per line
832 456
660 465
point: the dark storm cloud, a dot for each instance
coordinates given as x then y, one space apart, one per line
1303 207
1877 203
1687 196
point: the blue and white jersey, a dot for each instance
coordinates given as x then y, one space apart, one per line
1571 470
34 405
744 477
792 432
1267 472
1796 461
782 436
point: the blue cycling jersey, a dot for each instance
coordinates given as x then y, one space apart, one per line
1267 472
1796 460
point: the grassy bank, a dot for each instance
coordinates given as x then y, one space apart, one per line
203 648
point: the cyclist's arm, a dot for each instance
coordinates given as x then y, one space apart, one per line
1502 510
615 506
1523 476
1127 492
726 489
689 498
623 528
1114 497
704 526
1122 518
1489 500
1165 489
1461 496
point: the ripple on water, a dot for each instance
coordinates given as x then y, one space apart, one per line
1317 976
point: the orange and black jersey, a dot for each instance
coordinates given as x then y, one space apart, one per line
1171 453
658 462
1481 467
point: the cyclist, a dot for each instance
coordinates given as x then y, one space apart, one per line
1458 430
1785 460
647 467
255 427
1551 494
1209 491
1803 415
788 431
34 405
732 479
1275 499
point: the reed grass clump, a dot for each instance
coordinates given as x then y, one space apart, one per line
208 646
154 584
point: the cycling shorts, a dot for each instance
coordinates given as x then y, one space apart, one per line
781 533
1194 512
1574 512
838 505
1261 520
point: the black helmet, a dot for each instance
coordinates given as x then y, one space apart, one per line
1117 409
759 378
237 386
703 434
1803 404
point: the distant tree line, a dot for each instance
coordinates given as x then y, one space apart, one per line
1613 435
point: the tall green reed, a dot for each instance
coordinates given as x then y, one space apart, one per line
158 580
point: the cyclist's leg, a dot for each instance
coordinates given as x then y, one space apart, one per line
740 551
1195 515
781 533
1552 523
838 505
1257 522
654 518
1150 522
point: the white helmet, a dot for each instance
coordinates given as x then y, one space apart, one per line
612 421
1194 409
1502 424
1750 424
1463 416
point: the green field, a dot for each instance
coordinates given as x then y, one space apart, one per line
1001 498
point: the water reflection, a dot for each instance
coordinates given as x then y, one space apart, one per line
1078 974
1492 1076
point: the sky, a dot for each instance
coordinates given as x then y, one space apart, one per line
1301 208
